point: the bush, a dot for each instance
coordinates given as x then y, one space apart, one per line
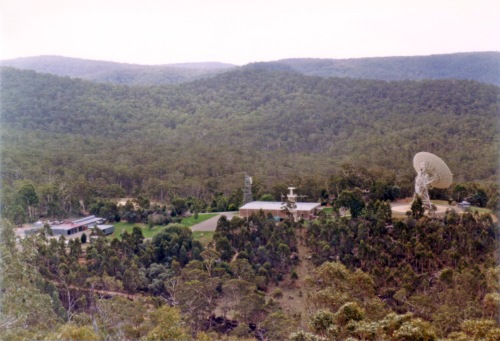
277 294
322 321
349 311
242 330
305 336
415 330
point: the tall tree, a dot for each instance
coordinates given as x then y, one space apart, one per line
353 200
23 305
29 199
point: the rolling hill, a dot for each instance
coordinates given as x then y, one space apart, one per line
479 66
482 67
118 73
202 136
70 145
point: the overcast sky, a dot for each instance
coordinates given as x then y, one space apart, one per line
239 32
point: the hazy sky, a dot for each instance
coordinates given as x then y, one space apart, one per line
239 32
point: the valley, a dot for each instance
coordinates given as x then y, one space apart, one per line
177 142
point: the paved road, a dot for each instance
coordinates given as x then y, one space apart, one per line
211 224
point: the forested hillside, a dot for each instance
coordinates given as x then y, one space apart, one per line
479 66
201 137
364 278
71 147
118 73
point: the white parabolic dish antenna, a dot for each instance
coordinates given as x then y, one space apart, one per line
432 172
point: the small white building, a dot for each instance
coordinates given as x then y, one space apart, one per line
464 205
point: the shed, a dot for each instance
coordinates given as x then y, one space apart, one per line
75 226
464 205
106 229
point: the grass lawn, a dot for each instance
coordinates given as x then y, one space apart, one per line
472 208
204 237
480 209
440 202
148 233
188 222
123 226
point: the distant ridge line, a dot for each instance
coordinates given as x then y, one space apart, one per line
478 66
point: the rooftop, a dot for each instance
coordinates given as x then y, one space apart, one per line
89 221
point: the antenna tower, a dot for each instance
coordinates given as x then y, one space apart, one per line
247 190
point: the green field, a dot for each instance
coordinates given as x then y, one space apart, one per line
123 226
480 209
190 221
148 233
204 237
440 202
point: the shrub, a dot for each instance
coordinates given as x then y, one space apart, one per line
349 311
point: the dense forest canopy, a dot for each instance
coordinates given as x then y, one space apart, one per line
335 278
200 138
483 67
480 66
71 146
118 73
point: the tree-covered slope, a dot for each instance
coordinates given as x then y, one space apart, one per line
334 278
118 73
480 66
204 135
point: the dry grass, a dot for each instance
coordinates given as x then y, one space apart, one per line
294 301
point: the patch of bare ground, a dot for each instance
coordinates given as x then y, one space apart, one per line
494 218
294 300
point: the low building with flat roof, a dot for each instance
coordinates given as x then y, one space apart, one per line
305 210
106 229
76 226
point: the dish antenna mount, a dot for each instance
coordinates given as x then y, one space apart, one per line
432 172
290 204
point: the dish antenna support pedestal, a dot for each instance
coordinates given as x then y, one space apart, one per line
422 184
432 172
291 202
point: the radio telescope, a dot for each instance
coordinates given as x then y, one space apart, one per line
432 172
